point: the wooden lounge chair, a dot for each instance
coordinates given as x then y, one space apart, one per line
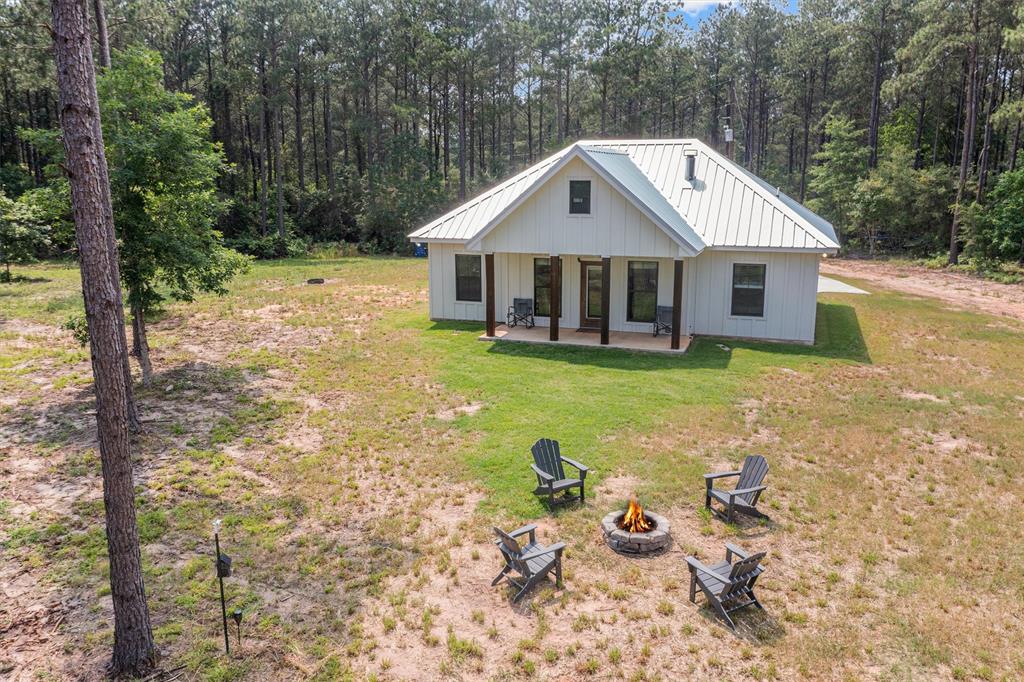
530 564
521 311
748 489
727 585
662 319
551 478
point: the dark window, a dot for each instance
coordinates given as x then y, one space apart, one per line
579 197
642 291
467 278
542 287
748 290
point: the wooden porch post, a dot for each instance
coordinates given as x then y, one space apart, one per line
556 297
489 277
606 286
677 303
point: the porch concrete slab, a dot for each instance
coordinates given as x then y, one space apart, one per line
827 285
569 336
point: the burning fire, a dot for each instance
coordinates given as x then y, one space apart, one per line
634 521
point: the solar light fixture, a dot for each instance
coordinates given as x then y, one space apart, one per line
236 616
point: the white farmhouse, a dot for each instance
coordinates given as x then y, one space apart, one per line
609 236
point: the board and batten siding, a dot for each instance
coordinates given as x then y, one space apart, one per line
513 278
791 285
790 304
615 227
441 270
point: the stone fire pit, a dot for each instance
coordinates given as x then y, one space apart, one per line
648 542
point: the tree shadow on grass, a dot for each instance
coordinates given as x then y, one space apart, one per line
24 279
838 336
195 394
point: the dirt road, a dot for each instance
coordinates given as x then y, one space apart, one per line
958 290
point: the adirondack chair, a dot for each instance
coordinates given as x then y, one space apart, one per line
531 563
551 478
748 489
727 585
521 310
662 319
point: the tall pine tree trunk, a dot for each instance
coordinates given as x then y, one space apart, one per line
140 344
300 161
102 37
134 651
876 91
967 151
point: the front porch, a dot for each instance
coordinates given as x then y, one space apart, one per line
586 300
635 341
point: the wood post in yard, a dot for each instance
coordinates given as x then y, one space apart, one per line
606 287
556 297
489 276
677 303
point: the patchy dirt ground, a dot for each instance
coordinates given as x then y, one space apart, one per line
958 290
359 456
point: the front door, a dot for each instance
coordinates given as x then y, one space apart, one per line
590 295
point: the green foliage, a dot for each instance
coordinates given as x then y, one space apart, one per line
14 179
841 163
79 328
900 207
899 131
407 192
22 233
996 231
163 172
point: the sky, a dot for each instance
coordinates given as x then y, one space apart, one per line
695 11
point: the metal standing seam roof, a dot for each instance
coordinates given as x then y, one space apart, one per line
724 206
630 180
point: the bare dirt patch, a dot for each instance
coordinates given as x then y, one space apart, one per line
452 413
956 289
919 395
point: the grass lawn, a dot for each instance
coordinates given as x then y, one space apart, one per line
359 454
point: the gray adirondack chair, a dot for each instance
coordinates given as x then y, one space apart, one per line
748 489
530 563
728 585
551 478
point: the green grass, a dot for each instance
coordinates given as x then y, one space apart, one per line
307 417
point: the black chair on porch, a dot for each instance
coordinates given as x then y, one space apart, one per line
520 312
663 319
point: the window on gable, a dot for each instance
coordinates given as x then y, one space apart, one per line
579 197
642 291
748 289
468 286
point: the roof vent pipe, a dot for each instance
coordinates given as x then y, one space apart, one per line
691 165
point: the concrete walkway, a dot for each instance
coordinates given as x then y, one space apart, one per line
827 285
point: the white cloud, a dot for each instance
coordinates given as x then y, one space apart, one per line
698 6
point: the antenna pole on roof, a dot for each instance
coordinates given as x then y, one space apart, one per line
728 130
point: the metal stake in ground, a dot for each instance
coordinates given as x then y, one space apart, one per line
223 571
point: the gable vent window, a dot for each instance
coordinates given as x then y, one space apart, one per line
748 289
579 197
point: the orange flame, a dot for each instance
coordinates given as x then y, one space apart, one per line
634 521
